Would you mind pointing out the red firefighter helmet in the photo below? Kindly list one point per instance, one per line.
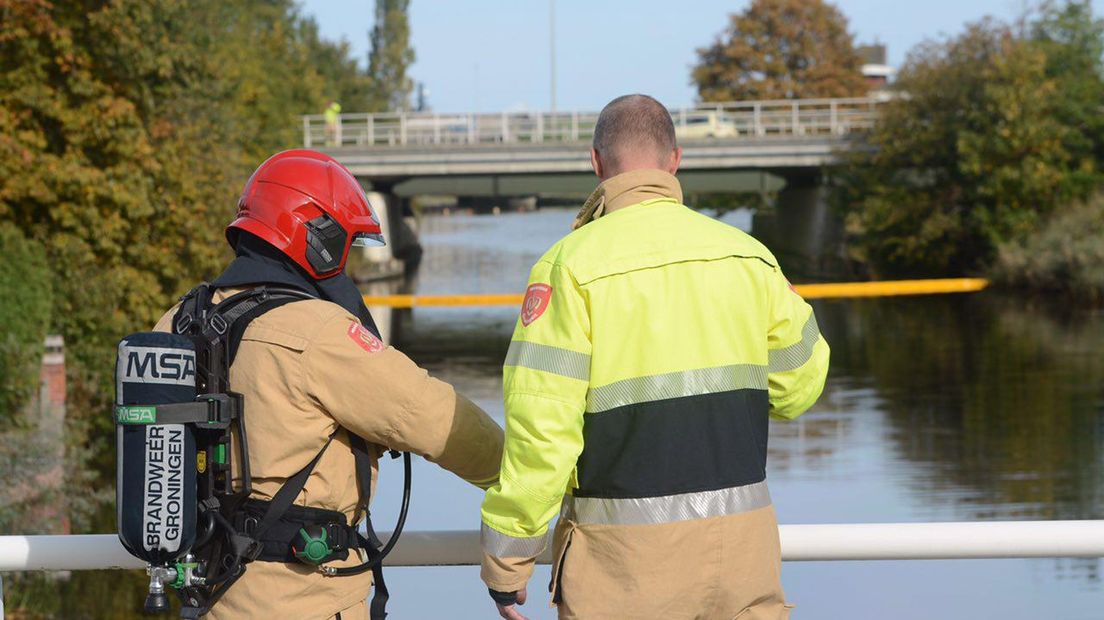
(309, 207)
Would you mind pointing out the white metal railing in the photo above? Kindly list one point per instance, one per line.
(861, 541)
(796, 117)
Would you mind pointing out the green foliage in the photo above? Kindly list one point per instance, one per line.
(100, 165)
(272, 67)
(391, 55)
(781, 49)
(126, 132)
(1073, 41)
(991, 131)
(1065, 256)
(25, 317)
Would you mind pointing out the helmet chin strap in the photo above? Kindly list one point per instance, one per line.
(325, 244)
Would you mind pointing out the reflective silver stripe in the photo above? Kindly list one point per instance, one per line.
(564, 362)
(795, 355)
(669, 508)
(500, 545)
(676, 384)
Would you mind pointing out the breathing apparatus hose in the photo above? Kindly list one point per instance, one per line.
(386, 549)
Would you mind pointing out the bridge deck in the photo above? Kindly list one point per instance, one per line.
(724, 136)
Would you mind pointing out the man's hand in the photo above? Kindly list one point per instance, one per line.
(510, 612)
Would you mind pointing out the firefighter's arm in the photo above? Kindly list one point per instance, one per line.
(545, 379)
(381, 395)
(797, 353)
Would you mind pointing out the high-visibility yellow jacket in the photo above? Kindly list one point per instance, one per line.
(652, 347)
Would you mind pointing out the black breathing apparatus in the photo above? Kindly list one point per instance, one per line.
(183, 503)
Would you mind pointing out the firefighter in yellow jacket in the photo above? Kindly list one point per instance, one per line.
(316, 369)
(654, 344)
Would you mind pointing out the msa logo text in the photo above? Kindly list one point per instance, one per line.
(136, 415)
(158, 365)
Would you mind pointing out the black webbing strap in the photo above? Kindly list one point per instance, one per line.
(363, 460)
(241, 315)
(285, 497)
(378, 609)
(279, 505)
(192, 308)
(199, 412)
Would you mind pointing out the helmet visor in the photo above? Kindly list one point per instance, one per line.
(368, 240)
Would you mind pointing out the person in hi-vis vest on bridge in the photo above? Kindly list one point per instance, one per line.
(654, 344)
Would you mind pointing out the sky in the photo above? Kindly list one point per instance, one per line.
(493, 55)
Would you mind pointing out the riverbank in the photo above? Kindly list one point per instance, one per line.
(1064, 257)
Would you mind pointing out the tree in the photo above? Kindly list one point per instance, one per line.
(975, 152)
(1073, 41)
(25, 315)
(781, 49)
(391, 56)
(126, 132)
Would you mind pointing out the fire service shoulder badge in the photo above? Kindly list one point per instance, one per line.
(364, 338)
(537, 298)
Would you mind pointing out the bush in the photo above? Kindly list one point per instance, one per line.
(25, 316)
(1065, 256)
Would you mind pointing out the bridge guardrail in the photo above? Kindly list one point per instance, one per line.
(800, 543)
(747, 119)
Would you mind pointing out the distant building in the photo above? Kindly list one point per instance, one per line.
(878, 74)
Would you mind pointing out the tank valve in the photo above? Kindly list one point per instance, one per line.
(157, 601)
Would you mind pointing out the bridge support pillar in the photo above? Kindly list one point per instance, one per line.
(381, 270)
(801, 228)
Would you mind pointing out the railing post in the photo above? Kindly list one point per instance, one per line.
(682, 117)
(337, 130)
(574, 126)
(834, 122)
(436, 129)
(795, 121)
(306, 144)
(402, 128)
(757, 118)
(505, 128)
(371, 130)
(471, 129)
(540, 128)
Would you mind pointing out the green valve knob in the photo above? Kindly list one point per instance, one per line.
(311, 547)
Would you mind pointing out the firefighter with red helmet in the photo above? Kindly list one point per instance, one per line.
(317, 380)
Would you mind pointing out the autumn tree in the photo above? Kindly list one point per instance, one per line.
(990, 135)
(391, 55)
(126, 132)
(781, 49)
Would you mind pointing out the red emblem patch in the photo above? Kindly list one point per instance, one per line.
(364, 338)
(537, 298)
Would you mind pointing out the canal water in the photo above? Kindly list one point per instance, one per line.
(940, 408)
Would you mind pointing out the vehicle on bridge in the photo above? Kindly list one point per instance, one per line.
(705, 125)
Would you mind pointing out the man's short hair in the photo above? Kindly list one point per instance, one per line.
(633, 122)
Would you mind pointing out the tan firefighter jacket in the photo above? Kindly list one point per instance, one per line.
(654, 344)
(306, 369)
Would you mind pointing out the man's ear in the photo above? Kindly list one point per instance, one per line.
(675, 160)
(596, 162)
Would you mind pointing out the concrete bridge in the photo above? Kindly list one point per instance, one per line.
(776, 147)
(775, 136)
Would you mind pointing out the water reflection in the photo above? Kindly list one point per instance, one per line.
(995, 405)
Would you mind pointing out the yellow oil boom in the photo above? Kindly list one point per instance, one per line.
(808, 291)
